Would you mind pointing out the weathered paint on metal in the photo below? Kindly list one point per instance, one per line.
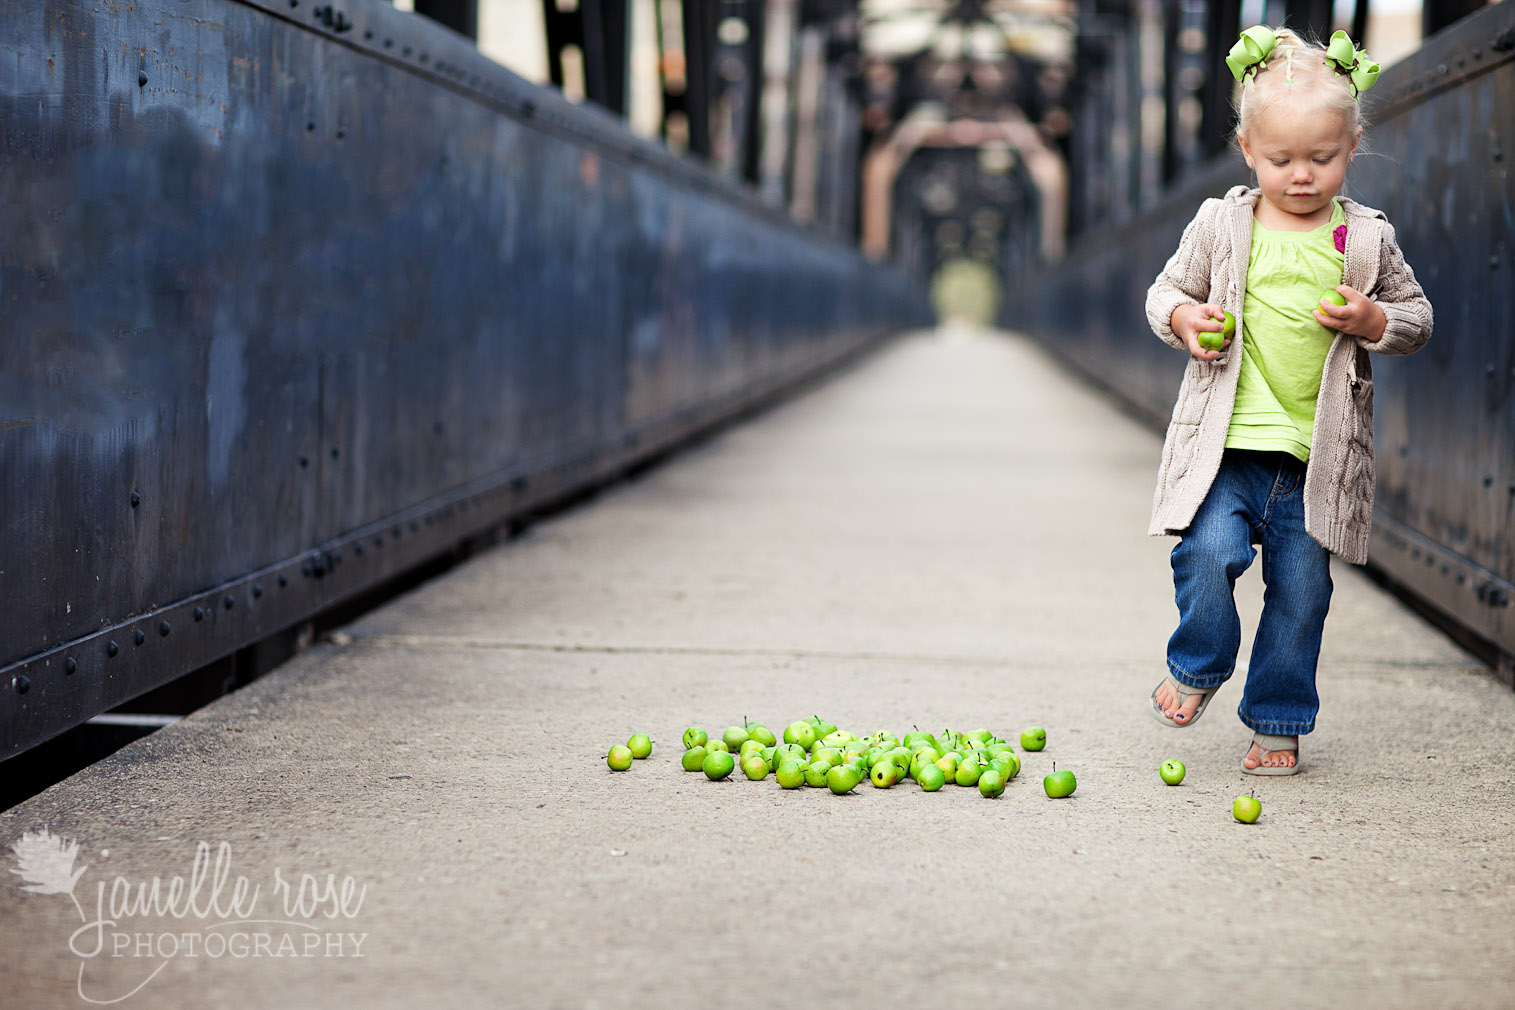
(296, 295)
(1440, 146)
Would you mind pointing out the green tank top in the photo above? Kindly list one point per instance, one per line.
(1283, 347)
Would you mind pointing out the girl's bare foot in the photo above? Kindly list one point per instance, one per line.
(1167, 700)
(1258, 757)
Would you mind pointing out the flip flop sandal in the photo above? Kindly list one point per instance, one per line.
(1184, 690)
(1273, 743)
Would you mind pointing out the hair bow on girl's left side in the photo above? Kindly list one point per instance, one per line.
(1351, 61)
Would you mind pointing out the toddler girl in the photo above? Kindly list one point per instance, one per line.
(1271, 441)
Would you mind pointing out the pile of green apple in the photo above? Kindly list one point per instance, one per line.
(814, 752)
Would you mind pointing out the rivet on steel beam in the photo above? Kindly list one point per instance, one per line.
(111, 649)
(257, 590)
(304, 460)
(1494, 262)
(378, 541)
(335, 452)
(415, 527)
(69, 666)
(229, 602)
(310, 127)
(1441, 69)
(357, 549)
(142, 78)
(389, 43)
(199, 614)
(293, 4)
(136, 498)
(283, 581)
(164, 629)
(1488, 480)
(528, 109)
(138, 638)
(406, 51)
(22, 684)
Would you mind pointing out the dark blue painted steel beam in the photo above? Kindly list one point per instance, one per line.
(296, 296)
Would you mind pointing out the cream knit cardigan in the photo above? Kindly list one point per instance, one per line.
(1211, 266)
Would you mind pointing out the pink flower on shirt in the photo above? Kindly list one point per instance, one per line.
(1340, 235)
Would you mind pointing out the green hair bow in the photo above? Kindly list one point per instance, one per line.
(1251, 50)
(1352, 62)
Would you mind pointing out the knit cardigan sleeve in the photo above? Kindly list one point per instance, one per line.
(1403, 302)
(1185, 280)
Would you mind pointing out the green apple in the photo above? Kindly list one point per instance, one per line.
(1003, 766)
(991, 784)
(693, 759)
(968, 772)
(1246, 809)
(749, 746)
(1013, 766)
(830, 755)
(815, 773)
(843, 779)
(718, 764)
(1059, 783)
(884, 774)
(1172, 771)
(948, 764)
(734, 736)
(640, 745)
(801, 734)
(822, 727)
(931, 778)
(695, 737)
(788, 752)
(791, 774)
(754, 767)
(619, 758)
(1209, 340)
(1033, 738)
(717, 744)
(762, 734)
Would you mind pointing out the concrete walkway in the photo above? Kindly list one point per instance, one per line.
(950, 535)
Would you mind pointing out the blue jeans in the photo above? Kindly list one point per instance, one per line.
(1257, 498)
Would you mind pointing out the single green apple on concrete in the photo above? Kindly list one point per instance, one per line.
(718, 764)
(734, 736)
(693, 759)
(1033, 739)
(754, 767)
(619, 758)
(884, 774)
(640, 745)
(931, 778)
(991, 784)
(1059, 783)
(791, 774)
(1246, 809)
(1172, 771)
(842, 779)
(695, 737)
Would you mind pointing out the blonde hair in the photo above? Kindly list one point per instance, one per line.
(1296, 75)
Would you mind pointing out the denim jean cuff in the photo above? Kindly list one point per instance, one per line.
(1190, 680)
(1278, 728)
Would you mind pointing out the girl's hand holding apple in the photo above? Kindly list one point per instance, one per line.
(1358, 316)
(1189, 322)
